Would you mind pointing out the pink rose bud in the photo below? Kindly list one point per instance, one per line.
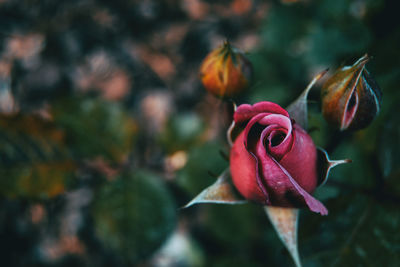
(273, 161)
(226, 72)
(351, 97)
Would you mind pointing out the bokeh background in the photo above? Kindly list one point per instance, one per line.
(106, 131)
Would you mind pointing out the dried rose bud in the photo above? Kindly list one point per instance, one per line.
(226, 72)
(351, 97)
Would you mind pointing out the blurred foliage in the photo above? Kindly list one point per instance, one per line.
(104, 126)
(182, 132)
(103, 129)
(39, 155)
(34, 161)
(198, 173)
(360, 234)
(134, 215)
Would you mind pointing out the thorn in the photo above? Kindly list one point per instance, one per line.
(312, 129)
(224, 155)
(212, 174)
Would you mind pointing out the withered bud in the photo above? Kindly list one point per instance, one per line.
(226, 72)
(351, 97)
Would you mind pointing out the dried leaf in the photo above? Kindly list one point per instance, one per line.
(284, 221)
(298, 109)
(34, 160)
(221, 192)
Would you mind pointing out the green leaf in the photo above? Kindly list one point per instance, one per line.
(359, 231)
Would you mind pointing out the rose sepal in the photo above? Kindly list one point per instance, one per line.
(298, 108)
(325, 164)
(221, 191)
(285, 222)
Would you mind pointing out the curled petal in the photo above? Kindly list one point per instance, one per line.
(268, 119)
(284, 190)
(301, 160)
(312, 203)
(277, 145)
(245, 112)
(245, 173)
(279, 134)
(249, 127)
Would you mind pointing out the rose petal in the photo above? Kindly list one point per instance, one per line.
(268, 119)
(277, 151)
(301, 160)
(260, 184)
(283, 189)
(245, 112)
(245, 173)
(250, 125)
(312, 203)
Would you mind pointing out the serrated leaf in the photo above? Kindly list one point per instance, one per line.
(221, 192)
(285, 223)
(298, 109)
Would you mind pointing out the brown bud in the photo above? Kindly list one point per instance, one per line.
(226, 72)
(351, 97)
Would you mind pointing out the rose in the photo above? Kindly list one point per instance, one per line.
(273, 161)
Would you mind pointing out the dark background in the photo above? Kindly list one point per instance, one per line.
(106, 130)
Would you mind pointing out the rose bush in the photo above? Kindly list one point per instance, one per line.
(273, 161)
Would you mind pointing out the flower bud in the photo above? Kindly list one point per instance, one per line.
(226, 72)
(351, 97)
(273, 161)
